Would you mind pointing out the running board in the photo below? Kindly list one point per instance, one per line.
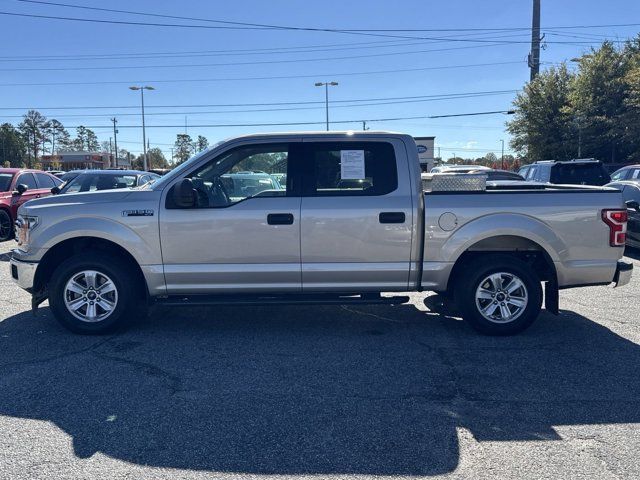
(291, 299)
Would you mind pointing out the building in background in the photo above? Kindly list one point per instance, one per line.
(426, 146)
(80, 161)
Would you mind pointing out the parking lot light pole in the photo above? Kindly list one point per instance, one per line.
(144, 134)
(326, 86)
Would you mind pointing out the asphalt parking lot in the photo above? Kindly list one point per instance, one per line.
(323, 392)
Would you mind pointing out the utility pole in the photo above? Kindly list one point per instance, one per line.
(115, 141)
(534, 56)
(502, 158)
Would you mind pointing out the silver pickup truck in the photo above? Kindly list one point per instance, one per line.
(302, 218)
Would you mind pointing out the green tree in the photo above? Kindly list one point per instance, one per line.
(86, 140)
(183, 147)
(32, 128)
(58, 134)
(201, 143)
(156, 159)
(598, 95)
(13, 148)
(542, 128)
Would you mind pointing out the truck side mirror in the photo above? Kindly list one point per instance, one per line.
(184, 195)
(633, 205)
(20, 189)
(55, 190)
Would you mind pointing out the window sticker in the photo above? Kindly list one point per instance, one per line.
(352, 164)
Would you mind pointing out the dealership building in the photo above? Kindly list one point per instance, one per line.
(81, 161)
(426, 147)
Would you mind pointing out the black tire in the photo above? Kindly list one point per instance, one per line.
(107, 266)
(476, 272)
(6, 226)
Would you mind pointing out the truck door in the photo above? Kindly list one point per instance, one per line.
(243, 235)
(357, 216)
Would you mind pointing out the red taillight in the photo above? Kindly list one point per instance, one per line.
(617, 222)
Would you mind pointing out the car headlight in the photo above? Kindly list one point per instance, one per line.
(25, 224)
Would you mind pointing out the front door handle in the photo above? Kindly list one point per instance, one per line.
(280, 219)
(391, 217)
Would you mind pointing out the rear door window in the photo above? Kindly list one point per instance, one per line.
(5, 181)
(350, 169)
(579, 174)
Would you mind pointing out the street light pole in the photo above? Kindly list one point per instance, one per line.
(144, 134)
(326, 86)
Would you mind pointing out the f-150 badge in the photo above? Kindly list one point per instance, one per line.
(137, 213)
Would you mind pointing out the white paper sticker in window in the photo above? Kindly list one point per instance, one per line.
(352, 164)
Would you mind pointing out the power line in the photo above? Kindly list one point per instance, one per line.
(280, 124)
(229, 52)
(246, 78)
(288, 27)
(265, 104)
(363, 32)
(260, 62)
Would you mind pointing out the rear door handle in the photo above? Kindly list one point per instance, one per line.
(280, 219)
(391, 217)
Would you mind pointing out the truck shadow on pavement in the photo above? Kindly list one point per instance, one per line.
(302, 390)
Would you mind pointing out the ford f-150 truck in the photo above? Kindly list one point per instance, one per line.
(301, 218)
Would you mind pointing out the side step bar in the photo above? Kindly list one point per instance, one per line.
(291, 299)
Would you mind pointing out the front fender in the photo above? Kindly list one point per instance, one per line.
(503, 224)
(140, 238)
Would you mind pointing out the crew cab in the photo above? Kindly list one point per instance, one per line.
(350, 222)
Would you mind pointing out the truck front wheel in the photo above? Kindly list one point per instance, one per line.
(499, 295)
(91, 294)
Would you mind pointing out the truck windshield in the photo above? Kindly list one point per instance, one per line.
(88, 182)
(5, 181)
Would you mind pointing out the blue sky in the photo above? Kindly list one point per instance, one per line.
(49, 63)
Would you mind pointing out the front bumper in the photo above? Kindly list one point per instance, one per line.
(623, 273)
(23, 273)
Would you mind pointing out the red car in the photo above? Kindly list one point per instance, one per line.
(18, 185)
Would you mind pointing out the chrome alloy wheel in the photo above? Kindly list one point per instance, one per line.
(90, 296)
(501, 297)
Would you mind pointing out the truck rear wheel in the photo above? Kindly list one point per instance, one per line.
(499, 295)
(91, 294)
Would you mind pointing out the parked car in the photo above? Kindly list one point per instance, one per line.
(570, 172)
(185, 240)
(458, 168)
(17, 186)
(493, 175)
(631, 195)
(630, 172)
(68, 176)
(90, 180)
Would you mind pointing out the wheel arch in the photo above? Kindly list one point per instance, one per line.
(71, 246)
(521, 247)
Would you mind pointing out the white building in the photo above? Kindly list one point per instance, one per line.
(426, 147)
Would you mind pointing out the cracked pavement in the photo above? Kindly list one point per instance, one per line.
(322, 392)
